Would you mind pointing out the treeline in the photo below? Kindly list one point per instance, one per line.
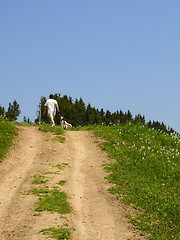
(78, 114)
(12, 112)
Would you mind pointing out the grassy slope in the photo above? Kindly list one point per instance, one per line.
(145, 174)
(7, 133)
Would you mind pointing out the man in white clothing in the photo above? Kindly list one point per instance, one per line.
(51, 104)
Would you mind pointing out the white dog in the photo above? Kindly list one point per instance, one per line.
(65, 124)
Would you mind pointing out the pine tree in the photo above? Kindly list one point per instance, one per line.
(13, 111)
(96, 117)
(25, 119)
(149, 124)
(40, 112)
(108, 117)
(92, 115)
(129, 116)
(89, 114)
(117, 117)
(114, 117)
(140, 119)
(122, 117)
(2, 111)
(102, 113)
(80, 111)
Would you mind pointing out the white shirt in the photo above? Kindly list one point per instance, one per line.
(51, 104)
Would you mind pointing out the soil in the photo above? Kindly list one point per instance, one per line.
(96, 214)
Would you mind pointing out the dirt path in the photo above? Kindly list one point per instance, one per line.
(95, 213)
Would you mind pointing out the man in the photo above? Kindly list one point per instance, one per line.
(51, 104)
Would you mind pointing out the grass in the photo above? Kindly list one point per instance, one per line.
(62, 182)
(7, 133)
(145, 174)
(23, 124)
(61, 165)
(50, 200)
(57, 130)
(48, 128)
(27, 227)
(38, 179)
(58, 139)
(50, 172)
(54, 201)
(38, 191)
(61, 233)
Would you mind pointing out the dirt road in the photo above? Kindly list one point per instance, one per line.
(95, 213)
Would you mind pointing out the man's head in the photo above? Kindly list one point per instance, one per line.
(51, 96)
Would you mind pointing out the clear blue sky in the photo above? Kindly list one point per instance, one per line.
(119, 54)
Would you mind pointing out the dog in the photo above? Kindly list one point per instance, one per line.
(65, 124)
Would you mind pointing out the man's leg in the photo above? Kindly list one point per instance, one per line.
(52, 118)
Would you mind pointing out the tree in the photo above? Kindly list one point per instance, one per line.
(140, 119)
(13, 111)
(116, 117)
(108, 117)
(40, 111)
(67, 109)
(96, 116)
(129, 116)
(89, 114)
(122, 117)
(25, 119)
(2, 111)
(79, 112)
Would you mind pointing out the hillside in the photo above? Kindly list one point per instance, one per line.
(39, 171)
(142, 171)
(145, 174)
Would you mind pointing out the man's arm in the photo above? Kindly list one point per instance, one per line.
(57, 107)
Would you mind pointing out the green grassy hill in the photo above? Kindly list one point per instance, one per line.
(146, 175)
(7, 133)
